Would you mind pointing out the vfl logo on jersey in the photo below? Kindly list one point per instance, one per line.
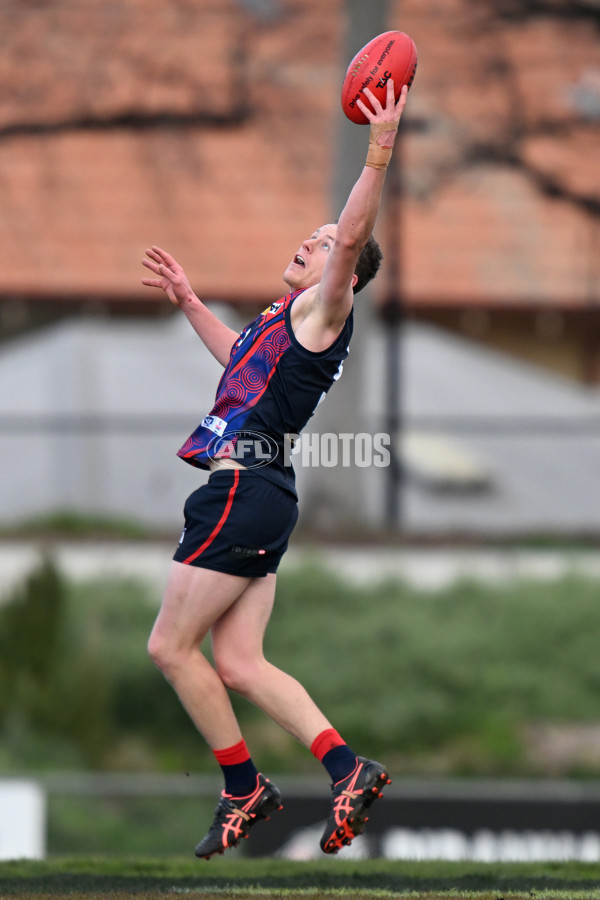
(214, 424)
(243, 336)
(272, 309)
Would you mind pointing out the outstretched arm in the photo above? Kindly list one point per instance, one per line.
(216, 336)
(358, 217)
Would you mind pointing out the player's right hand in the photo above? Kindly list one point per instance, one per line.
(171, 277)
(392, 110)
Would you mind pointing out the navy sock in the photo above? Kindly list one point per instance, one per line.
(239, 770)
(240, 779)
(339, 762)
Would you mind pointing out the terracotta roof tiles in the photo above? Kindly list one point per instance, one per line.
(198, 126)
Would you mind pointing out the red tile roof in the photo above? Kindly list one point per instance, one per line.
(199, 127)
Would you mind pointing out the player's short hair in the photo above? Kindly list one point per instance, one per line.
(368, 264)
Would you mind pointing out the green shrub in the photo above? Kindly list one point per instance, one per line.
(437, 681)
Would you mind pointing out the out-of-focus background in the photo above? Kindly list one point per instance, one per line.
(461, 579)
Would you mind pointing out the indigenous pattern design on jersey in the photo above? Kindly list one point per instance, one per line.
(268, 391)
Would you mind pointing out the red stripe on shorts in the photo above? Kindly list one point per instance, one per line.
(222, 520)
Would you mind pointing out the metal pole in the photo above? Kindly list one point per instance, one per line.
(392, 315)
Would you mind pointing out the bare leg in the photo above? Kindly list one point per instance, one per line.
(194, 599)
(237, 641)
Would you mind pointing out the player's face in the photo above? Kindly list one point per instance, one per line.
(306, 268)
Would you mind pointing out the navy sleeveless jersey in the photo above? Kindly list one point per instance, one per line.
(267, 393)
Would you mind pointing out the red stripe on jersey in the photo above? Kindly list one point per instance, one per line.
(262, 335)
(222, 520)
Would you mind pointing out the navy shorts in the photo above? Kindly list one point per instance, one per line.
(238, 523)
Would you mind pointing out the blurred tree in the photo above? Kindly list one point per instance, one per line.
(30, 629)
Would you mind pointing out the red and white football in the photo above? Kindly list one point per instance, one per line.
(389, 55)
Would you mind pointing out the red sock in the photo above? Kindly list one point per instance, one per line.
(335, 754)
(326, 741)
(232, 756)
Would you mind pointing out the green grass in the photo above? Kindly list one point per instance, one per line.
(233, 877)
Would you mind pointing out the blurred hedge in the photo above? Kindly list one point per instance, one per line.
(444, 681)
